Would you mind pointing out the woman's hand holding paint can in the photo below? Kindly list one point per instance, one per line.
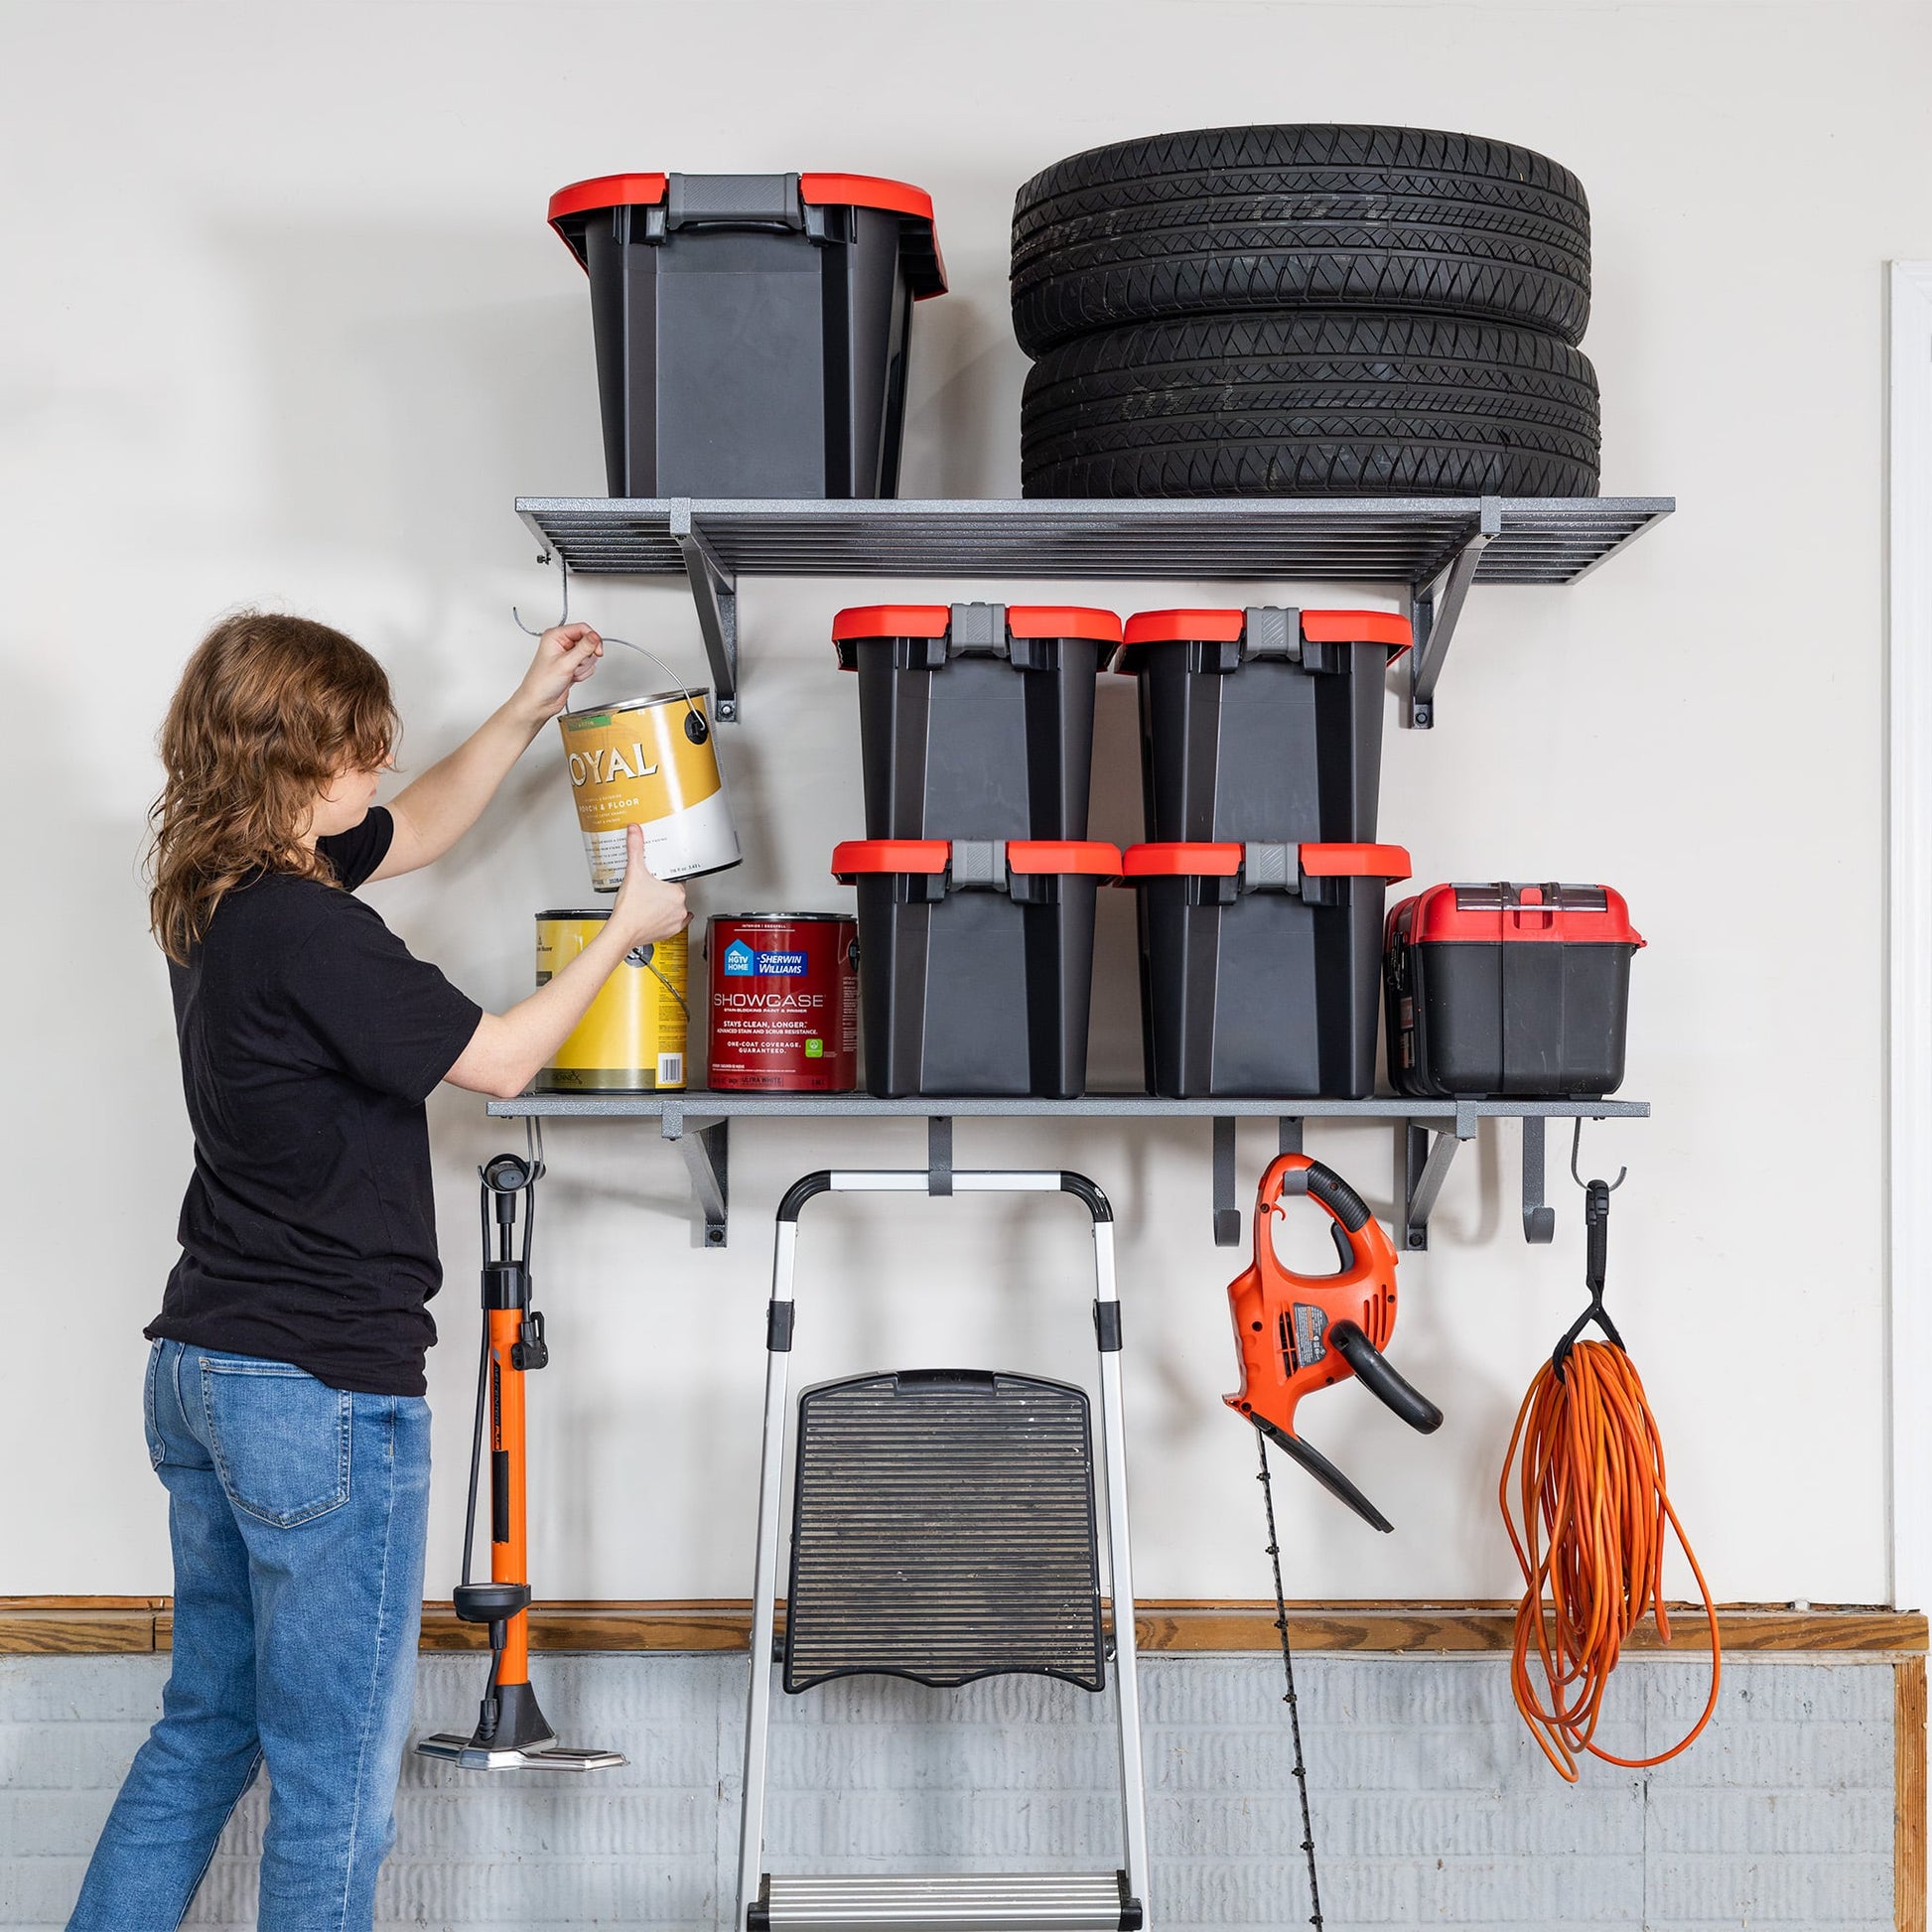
(648, 907)
(567, 653)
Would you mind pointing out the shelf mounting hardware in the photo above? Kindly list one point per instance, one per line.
(1539, 1221)
(705, 1145)
(938, 1154)
(1422, 1164)
(1228, 1212)
(714, 588)
(1433, 608)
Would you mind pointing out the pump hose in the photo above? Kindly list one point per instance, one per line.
(1594, 1508)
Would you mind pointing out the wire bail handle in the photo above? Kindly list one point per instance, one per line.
(695, 727)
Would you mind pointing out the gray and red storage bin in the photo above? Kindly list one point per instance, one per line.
(1260, 964)
(751, 330)
(1262, 723)
(976, 962)
(1509, 990)
(976, 720)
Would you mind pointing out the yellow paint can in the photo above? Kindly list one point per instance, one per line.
(649, 762)
(631, 1039)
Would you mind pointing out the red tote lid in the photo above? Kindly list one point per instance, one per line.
(1502, 911)
(1222, 858)
(1355, 861)
(608, 191)
(1180, 861)
(1063, 620)
(1029, 858)
(1086, 856)
(926, 271)
(1389, 627)
(855, 856)
(1168, 626)
(892, 620)
(866, 191)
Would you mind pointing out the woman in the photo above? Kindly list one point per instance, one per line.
(284, 1399)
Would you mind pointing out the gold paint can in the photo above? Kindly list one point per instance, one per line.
(649, 762)
(631, 1039)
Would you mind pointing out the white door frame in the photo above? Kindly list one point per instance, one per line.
(1909, 1038)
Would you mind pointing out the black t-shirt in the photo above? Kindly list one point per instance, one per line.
(310, 1039)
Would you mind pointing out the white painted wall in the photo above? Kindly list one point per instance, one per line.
(284, 324)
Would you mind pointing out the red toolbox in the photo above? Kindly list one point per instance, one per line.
(976, 720)
(1261, 724)
(1259, 965)
(975, 962)
(1509, 990)
(751, 330)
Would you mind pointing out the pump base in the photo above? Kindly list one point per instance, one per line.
(468, 1755)
(512, 1733)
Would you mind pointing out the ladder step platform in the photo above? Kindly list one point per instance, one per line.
(1046, 1901)
(944, 1530)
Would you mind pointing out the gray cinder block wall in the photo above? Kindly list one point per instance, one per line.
(1433, 1807)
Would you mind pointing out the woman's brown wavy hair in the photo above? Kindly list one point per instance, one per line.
(269, 711)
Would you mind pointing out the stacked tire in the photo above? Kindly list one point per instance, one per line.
(1307, 311)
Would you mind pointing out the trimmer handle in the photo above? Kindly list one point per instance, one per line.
(1374, 1372)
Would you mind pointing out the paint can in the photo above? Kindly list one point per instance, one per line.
(783, 1003)
(649, 762)
(632, 1038)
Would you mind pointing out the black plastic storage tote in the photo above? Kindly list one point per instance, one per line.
(751, 330)
(1261, 724)
(1259, 966)
(976, 720)
(1511, 990)
(975, 962)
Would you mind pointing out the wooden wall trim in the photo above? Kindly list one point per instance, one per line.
(106, 1625)
(1908, 1795)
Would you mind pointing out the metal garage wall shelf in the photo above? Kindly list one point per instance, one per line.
(1427, 1134)
(1436, 546)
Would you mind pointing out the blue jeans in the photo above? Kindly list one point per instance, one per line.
(298, 1514)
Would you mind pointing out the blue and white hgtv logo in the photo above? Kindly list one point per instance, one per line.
(741, 962)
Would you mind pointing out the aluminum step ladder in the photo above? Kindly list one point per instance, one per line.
(943, 1528)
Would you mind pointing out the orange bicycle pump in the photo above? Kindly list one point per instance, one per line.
(511, 1730)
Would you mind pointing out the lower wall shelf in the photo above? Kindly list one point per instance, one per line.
(1427, 1134)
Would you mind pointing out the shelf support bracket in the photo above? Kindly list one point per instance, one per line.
(713, 590)
(1434, 609)
(1421, 1165)
(1227, 1216)
(938, 1154)
(706, 1146)
(1539, 1221)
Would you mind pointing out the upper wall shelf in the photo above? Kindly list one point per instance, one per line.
(1435, 547)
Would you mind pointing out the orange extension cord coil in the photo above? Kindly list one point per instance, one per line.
(1594, 1508)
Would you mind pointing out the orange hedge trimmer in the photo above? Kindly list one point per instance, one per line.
(1295, 1333)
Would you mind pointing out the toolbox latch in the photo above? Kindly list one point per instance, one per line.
(1271, 630)
(979, 865)
(1271, 868)
(977, 630)
(733, 201)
